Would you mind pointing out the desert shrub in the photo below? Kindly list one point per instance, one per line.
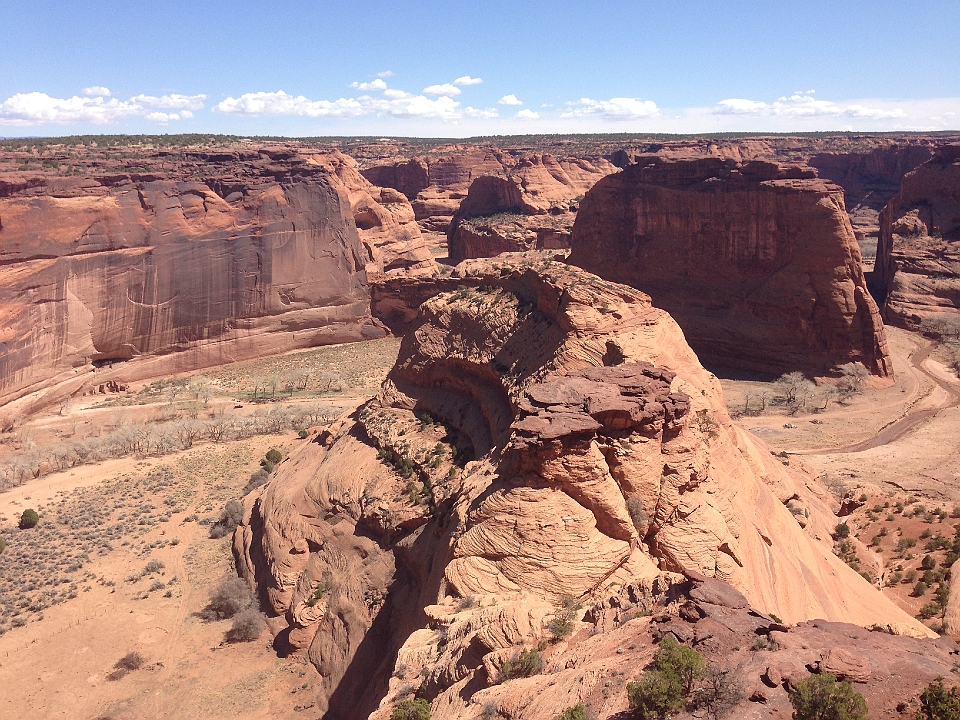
(230, 517)
(680, 662)
(929, 562)
(719, 694)
(29, 519)
(130, 661)
(821, 697)
(654, 695)
(257, 479)
(127, 664)
(3, 544)
(229, 598)
(841, 531)
(561, 625)
(247, 626)
(576, 712)
(920, 589)
(267, 465)
(939, 703)
(273, 455)
(527, 663)
(411, 709)
(154, 566)
(641, 521)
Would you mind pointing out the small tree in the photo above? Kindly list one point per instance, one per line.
(821, 697)
(229, 598)
(676, 660)
(655, 695)
(939, 703)
(29, 519)
(416, 709)
(527, 663)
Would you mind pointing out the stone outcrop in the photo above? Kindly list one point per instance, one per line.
(218, 258)
(758, 263)
(478, 182)
(918, 255)
(870, 179)
(543, 432)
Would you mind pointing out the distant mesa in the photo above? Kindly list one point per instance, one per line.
(918, 255)
(757, 262)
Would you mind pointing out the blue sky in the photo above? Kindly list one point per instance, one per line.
(477, 68)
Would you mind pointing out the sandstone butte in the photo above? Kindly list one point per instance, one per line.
(543, 432)
(225, 257)
(484, 200)
(918, 254)
(758, 263)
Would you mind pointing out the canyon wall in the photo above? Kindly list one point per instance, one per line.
(918, 254)
(544, 433)
(757, 263)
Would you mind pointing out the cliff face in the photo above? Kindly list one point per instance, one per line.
(758, 264)
(918, 254)
(546, 433)
(161, 276)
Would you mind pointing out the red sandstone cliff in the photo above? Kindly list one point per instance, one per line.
(918, 255)
(545, 433)
(758, 264)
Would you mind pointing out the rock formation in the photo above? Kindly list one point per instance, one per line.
(218, 258)
(918, 255)
(869, 179)
(512, 185)
(545, 432)
(757, 263)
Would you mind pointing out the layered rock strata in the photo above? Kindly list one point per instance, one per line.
(543, 433)
(918, 255)
(113, 278)
(757, 263)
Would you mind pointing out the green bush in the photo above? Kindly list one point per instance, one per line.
(939, 703)
(29, 519)
(418, 709)
(561, 625)
(678, 661)
(821, 697)
(655, 695)
(577, 712)
(273, 455)
(841, 531)
(919, 589)
(527, 663)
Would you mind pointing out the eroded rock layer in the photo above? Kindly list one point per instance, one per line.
(918, 254)
(542, 433)
(757, 263)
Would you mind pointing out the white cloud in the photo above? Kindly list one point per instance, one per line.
(398, 104)
(397, 94)
(386, 74)
(613, 109)
(280, 103)
(445, 89)
(510, 99)
(467, 80)
(375, 85)
(486, 114)
(36, 108)
(804, 105)
(171, 102)
(528, 115)
(96, 91)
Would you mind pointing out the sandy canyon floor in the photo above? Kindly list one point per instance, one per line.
(76, 594)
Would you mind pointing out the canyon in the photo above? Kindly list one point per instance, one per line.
(918, 256)
(548, 433)
(551, 466)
